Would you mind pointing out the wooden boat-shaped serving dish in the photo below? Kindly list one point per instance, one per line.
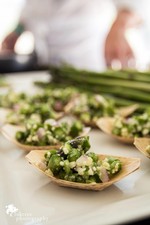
(141, 144)
(129, 165)
(106, 125)
(9, 132)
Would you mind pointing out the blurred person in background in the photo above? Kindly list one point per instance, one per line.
(85, 34)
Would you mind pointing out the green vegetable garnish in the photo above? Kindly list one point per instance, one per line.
(72, 163)
(135, 126)
(89, 108)
(50, 132)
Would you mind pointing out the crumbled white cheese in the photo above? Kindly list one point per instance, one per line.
(106, 165)
(35, 126)
(72, 164)
(115, 168)
(90, 171)
(51, 122)
(35, 138)
(124, 132)
(118, 123)
(84, 161)
(65, 150)
(28, 126)
(80, 170)
(61, 163)
(94, 168)
(139, 128)
(144, 116)
(48, 154)
(29, 139)
(145, 131)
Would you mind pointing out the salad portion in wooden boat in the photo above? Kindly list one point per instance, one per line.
(48, 135)
(73, 166)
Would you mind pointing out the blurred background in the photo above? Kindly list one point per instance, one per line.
(139, 39)
(10, 12)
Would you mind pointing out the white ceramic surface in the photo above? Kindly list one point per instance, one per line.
(39, 202)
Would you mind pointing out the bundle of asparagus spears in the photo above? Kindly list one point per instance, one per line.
(125, 86)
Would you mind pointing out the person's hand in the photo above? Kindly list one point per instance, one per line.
(117, 48)
(116, 45)
(9, 42)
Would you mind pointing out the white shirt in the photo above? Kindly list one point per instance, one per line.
(71, 31)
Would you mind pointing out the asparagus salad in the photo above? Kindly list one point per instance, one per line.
(135, 126)
(38, 112)
(73, 162)
(50, 132)
(57, 98)
(41, 106)
(11, 98)
(88, 108)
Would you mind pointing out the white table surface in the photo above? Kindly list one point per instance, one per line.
(41, 202)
